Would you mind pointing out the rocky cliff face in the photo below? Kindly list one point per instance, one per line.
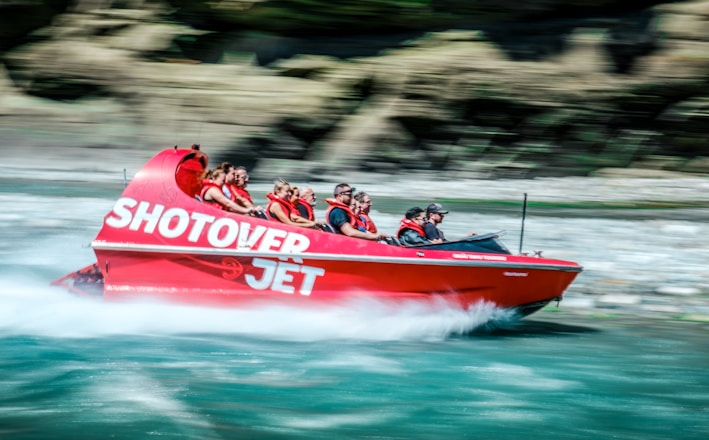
(477, 89)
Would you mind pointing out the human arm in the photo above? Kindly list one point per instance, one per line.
(218, 196)
(433, 234)
(340, 221)
(277, 211)
(243, 201)
(242, 198)
(350, 231)
(302, 221)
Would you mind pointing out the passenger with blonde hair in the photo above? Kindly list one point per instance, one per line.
(282, 210)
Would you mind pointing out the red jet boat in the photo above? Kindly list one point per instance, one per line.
(159, 241)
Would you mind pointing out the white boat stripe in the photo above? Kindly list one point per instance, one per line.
(133, 247)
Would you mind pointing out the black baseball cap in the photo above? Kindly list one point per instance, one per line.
(436, 208)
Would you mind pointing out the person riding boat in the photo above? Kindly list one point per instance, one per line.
(341, 218)
(229, 181)
(282, 210)
(411, 232)
(356, 208)
(212, 194)
(235, 193)
(240, 183)
(306, 203)
(365, 203)
(435, 214)
(295, 196)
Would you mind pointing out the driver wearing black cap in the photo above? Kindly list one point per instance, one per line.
(435, 213)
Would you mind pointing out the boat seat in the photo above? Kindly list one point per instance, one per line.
(392, 241)
(188, 174)
(262, 214)
(327, 228)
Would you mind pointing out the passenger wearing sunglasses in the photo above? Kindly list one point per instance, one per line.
(241, 197)
(342, 219)
(411, 231)
(306, 203)
(281, 209)
(434, 213)
(365, 204)
(241, 181)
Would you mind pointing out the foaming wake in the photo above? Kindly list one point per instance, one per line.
(50, 312)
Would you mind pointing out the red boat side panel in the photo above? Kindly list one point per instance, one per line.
(227, 280)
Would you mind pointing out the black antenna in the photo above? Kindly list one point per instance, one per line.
(524, 214)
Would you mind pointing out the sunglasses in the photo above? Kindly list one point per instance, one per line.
(345, 193)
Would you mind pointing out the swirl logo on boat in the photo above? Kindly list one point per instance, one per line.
(223, 232)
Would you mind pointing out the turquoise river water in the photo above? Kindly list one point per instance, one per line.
(82, 369)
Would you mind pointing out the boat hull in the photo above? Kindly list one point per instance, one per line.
(233, 280)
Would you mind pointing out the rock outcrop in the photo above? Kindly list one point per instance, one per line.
(451, 87)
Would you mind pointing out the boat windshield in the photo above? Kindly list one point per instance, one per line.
(488, 243)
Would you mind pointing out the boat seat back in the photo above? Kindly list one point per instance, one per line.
(392, 241)
(262, 214)
(189, 173)
(327, 228)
